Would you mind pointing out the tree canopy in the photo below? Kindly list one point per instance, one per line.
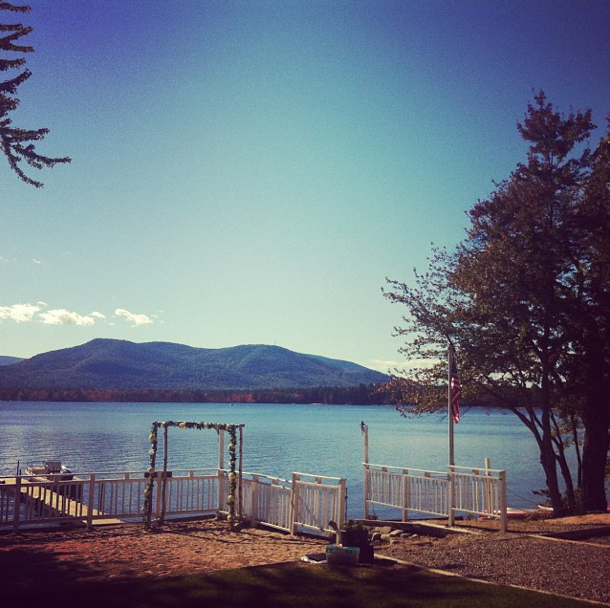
(523, 297)
(17, 143)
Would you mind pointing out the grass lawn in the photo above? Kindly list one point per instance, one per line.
(295, 585)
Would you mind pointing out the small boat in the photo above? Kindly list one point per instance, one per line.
(52, 470)
(513, 513)
(549, 510)
(52, 476)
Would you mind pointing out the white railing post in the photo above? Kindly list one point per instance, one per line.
(17, 503)
(294, 503)
(489, 483)
(366, 489)
(254, 500)
(221, 466)
(342, 502)
(91, 501)
(405, 495)
(317, 505)
(159, 491)
(221, 449)
(503, 505)
(451, 495)
(221, 483)
(365, 433)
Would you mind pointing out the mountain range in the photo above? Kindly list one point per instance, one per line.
(120, 364)
(4, 360)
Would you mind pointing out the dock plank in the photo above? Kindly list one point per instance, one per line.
(56, 503)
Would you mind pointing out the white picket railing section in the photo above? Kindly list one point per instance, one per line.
(268, 500)
(460, 489)
(306, 502)
(317, 501)
(406, 489)
(480, 492)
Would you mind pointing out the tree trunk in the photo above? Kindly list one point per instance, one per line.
(548, 458)
(594, 470)
(570, 496)
(549, 465)
(596, 420)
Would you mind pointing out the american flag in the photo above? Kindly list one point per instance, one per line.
(456, 392)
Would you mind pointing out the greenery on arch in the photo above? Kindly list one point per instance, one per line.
(231, 429)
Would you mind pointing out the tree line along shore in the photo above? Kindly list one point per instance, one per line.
(363, 394)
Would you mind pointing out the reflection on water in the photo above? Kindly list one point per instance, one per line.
(278, 440)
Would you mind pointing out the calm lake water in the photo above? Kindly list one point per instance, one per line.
(278, 440)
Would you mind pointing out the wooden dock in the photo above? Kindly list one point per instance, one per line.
(55, 499)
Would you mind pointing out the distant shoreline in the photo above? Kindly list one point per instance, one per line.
(372, 396)
(363, 394)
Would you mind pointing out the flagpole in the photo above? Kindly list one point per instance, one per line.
(450, 357)
(449, 405)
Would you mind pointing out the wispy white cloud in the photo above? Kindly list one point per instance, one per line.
(39, 313)
(133, 318)
(65, 317)
(20, 313)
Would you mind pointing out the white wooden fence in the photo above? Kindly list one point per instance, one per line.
(460, 489)
(306, 502)
(317, 501)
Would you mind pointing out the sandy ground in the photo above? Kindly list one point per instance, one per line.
(521, 556)
(127, 550)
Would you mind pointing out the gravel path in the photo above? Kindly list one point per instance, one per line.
(575, 569)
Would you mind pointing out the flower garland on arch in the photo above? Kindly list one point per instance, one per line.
(152, 453)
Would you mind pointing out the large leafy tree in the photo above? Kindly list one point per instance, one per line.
(17, 143)
(589, 364)
(522, 297)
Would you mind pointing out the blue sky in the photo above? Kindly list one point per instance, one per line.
(250, 172)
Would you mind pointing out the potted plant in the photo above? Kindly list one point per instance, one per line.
(355, 534)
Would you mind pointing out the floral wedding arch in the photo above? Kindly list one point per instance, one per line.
(235, 446)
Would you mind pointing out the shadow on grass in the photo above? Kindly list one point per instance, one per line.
(33, 577)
